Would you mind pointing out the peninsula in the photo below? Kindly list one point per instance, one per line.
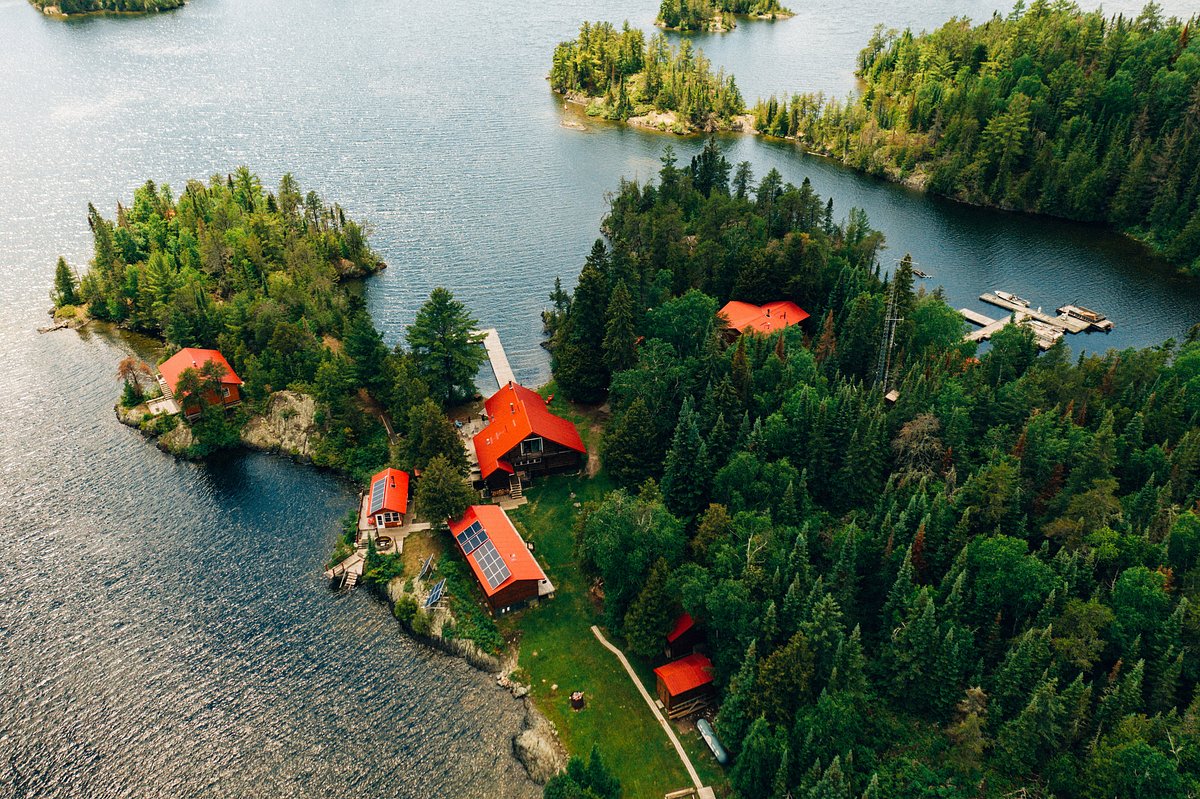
(1049, 110)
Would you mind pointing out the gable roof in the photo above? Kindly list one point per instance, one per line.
(682, 625)
(767, 319)
(508, 543)
(685, 674)
(515, 413)
(194, 358)
(393, 487)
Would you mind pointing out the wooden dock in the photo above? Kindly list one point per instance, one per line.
(497, 357)
(1045, 334)
(1064, 322)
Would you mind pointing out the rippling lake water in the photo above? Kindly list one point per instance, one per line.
(164, 628)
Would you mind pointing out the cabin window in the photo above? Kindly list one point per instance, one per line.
(531, 446)
(224, 391)
(387, 517)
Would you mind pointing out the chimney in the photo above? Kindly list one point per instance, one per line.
(512, 408)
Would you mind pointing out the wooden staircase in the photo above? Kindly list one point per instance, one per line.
(515, 490)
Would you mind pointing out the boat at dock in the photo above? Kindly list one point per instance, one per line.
(1012, 298)
(1096, 320)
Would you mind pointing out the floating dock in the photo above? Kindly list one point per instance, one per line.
(1070, 318)
(499, 360)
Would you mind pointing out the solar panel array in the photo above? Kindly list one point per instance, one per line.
(435, 595)
(377, 492)
(425, 567)
(494, 569)
(470, 538)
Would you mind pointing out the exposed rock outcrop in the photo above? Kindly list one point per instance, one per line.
(538, 748)
(288, 426)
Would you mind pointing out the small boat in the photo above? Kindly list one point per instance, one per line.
(920, 273)
(1013, 298)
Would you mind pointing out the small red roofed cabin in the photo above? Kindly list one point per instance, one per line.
(387, 501)
(684, 684)
(171, 370)
(683, 637)
(505, 568)
(524, 439)
(743, 317)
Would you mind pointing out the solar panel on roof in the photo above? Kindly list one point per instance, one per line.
(494, 569)
(470, 538)
(377, 493)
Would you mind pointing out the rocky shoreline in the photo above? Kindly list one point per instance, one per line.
(536, 746)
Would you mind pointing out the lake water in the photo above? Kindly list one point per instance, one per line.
(164, 629)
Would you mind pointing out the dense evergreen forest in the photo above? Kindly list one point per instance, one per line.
(707, 15)
(263, 277)
(1050, 110)
(621, 75)
(108, 6)
(984, 587)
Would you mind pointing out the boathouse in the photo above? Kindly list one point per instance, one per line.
(171, 370)
(386, 503)
(743, 317)
(505, 568)
(524, 439)
(683, 637)
(685, 684)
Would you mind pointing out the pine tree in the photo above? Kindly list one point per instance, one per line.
(754, 771)
(734, 717)
(445, 347)
(442, 494)
(684, 481)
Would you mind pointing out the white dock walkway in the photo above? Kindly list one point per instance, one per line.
(495, 352)
(1045, 333)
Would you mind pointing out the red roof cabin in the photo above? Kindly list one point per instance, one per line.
(523, 439)
(386, 503)
(505, 568)
(684, 684)
(743, 317)
(683, 637)
(172, 369)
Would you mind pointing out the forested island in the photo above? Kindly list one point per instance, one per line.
(719, 16)
(985, 583)
(620, 75)
(66, 8)
(267, 278)
(1049, 110)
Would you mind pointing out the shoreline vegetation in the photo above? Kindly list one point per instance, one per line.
(620, 75)
(687, 16)
(1050, 111)
(63, 9)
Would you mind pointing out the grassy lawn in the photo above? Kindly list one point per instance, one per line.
(558, 648)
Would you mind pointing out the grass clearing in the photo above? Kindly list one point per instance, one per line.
(558, 648)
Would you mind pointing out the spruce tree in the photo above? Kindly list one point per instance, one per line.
(66, 286)
(626, 450)
(649, 617)
(620, 338)
(686, 469)
(445, 347)
(441, 494)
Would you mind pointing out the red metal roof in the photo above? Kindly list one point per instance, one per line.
(769, 318)
(395, 490)
(685, 674)
(682, 625)
(508, 542)
(515, 413)
(193, 358)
